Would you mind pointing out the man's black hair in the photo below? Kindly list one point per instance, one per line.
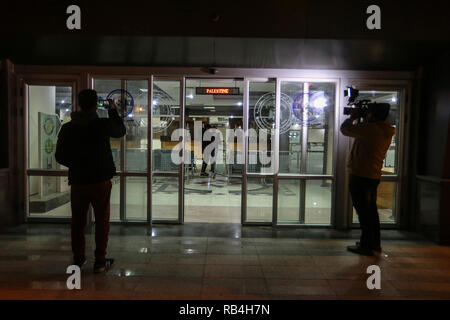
(87, 99)
(381, 111)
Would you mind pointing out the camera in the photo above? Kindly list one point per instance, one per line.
(103, 103)
(362, 107)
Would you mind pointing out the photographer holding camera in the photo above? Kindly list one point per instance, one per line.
(372, 135)
(83, 146)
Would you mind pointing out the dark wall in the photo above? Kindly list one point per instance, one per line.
(433, 152)
(306, 19)
(9, 193)
(434, 116)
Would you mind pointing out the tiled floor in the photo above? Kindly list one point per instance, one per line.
(221, 261)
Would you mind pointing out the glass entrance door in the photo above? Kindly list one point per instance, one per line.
(49, 106)
(213, 165)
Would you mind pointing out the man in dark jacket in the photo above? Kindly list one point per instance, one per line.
(83, 146)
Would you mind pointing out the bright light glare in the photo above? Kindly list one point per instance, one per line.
(155, 102)
(239, 103)
(320, 103)
(394, 99)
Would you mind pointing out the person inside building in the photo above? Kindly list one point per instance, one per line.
(372, 138)
(210, 161)
(83, 146)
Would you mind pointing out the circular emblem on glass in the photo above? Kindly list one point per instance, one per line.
(123, 99)
(49, 126)
(163, 110)
(264, 112)
(310, 110)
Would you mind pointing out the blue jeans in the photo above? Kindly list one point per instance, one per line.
(364, 198)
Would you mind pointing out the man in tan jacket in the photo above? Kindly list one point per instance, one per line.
(372, 138)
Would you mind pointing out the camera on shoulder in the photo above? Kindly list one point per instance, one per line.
(360, 107)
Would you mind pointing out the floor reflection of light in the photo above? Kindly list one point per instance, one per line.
(143, 250)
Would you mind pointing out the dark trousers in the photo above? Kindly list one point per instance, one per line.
(81, 196)
(364, 198)
(213, 165)
(204, 165)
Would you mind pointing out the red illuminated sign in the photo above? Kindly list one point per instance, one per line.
(219, 91)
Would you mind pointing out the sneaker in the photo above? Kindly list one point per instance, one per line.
(80, 263)
(102, 267)
(360, 250)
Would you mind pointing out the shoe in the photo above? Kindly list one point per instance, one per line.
(360, 250)
(102, 267)
(203, 174)
(377, 249)
(80, 263)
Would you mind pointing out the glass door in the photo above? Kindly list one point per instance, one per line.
(130, 153)
(49, 105)
(306, 144)
(167, 150)
(214, 150)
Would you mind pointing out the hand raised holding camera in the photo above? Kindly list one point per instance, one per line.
(112, 104)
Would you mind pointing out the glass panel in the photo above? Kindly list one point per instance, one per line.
(213, 186)
(259, 199)
(261, 126)
(318, 202)
(49, 196)
(115, 199)
(386, 197)
(306, 121)
(165, 198)
(105, 88)
(136, 198)
(49, 108)
(314, 195)
(391, 97)
(166, 119)
(137, 127)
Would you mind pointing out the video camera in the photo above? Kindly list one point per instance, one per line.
(360, 106)
(103, 103)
